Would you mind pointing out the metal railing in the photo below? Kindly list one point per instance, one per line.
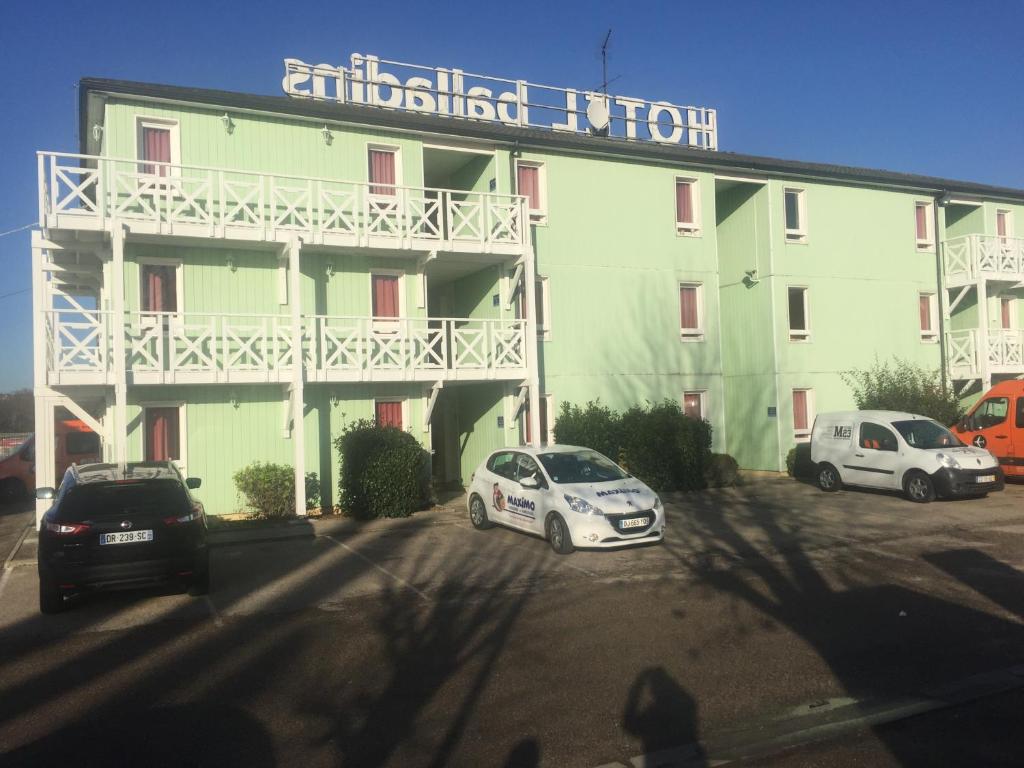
(974, 257)
(88, 191)
(996, 350)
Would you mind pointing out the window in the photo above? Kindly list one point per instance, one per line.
(990, 413)
(1004, 225)
(803, 409)
(1020, 413)
(691, 311)
(157, 142)
(386, 295)
(527, 467)
(796, 215)
(531, 182)
(799, 316)
(388, 413)
(1006, 307)
(78, 443)
(383, 170)
(159, 287)
(923, 225)
(874, 437)
(928, 313)
(687, 207)
(547, 423)
(693, 404)
(502, 464)
(163, 433)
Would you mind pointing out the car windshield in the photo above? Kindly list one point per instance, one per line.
(926, 434)
(580, 467)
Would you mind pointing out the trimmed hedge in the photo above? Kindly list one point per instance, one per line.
(269, 489)
(904, 386)
(658, 443)
(722, 471)
(798, 461)
(384, 471)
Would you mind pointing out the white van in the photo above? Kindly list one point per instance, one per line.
(899, 451)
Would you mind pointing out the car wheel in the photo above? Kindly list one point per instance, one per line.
(11, 490)
(558, 534)
(478, 514)
(919, 487)
(51, 599)
(200, 584)
(828, 478)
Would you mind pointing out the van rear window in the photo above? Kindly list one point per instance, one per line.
(125, 499)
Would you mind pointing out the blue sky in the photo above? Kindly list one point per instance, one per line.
(926, 87)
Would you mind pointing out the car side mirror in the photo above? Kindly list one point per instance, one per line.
(193, 482)
(45, 493)
(530, 482)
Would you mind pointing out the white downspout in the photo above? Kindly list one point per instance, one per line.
(298, 400)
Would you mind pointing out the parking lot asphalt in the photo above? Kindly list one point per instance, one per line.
(772, 617)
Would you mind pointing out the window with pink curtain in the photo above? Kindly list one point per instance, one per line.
(800, 410)
(528, 184)
(925, 307)
(163, 439)
(159, 288)
(388, 413)
(691, 405)
(156, 147)
(689, 319)
(921, 213)
(1001, 228)
(385, 296)
(382, 172)
(684, 202)
(1005, 305)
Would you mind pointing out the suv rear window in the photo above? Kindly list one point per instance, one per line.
(125, 499)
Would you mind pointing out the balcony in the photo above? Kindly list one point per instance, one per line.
(973, 352)
(85, 192)
(199, 348)
(982, 257)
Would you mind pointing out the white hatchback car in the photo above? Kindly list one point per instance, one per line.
(573, 497)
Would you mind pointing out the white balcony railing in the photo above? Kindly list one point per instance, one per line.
(1003, 351)
(174, 348)
(983, 257)
(90, 192)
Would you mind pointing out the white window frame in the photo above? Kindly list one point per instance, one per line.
(702, 394)
(145, 121)
(692, 334)
(406, 420)
(803, 436)
(388, 325)
(932, 336)
(393, 149)
(693, 228)
(796, 234)
(544, 331)
(537, 215)
(179, 281)
(1008, 218)
(182, 463)
(796, 335)
(928, 242)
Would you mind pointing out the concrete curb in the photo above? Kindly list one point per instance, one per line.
(301, 529)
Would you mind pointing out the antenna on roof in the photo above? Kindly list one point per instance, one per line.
(604, 62)
(597, 110)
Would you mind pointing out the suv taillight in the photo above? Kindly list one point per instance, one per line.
(62, 529)
(195, 514)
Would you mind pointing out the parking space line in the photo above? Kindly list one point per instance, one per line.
(4, 578)
(526, 539)
(214, 613)
(380, 568)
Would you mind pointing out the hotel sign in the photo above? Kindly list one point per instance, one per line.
(453, 93)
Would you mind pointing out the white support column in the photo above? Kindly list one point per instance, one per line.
(45, 450)
(45, 453)
(981, 291)
(531, 344)
(298, 398)
(119, 429)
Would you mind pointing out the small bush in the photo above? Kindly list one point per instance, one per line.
(269, 490)
(798, 461)
(904, 386)
(593, 426)
(384, 471)
(721, 471)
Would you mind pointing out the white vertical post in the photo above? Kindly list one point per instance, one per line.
(119, 429)
(298, 399)
(530, 348)
(46, 458)
(981, 290)
(41, 181)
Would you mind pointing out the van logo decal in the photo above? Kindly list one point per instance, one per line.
(518, 505)
(498, 498)
(980, 441)
(841, 432)
(618, 490)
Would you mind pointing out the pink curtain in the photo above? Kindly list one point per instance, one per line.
(688, 307)
(684, 202)
(385, 296)
(691, 405)
(528, 184)
(382, 171)
(156, 146)
(389, 414)
(1001, 224)
(1004, 308)
(926, 313)
(162, 437)
(922, 222)
(800, 409)
(159, 290)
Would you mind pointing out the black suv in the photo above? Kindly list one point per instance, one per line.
(114, 526)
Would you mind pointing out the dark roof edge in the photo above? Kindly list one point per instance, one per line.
(525, 137)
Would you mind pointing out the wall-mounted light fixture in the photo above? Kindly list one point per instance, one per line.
(330, 269)
(328, 136)
(231, 263)
(97, 132)
(234, 399)
(229, 124)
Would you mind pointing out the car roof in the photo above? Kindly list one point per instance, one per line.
(534, 450)
(877, 415)
(134, 470)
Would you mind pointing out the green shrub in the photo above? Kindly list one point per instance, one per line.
(721, 471)
(798, 461)
(384, 471)
(657, 442)
(904, 386)
(269, 489)
(593, 426)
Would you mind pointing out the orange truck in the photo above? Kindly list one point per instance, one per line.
(996, 422)
(75, 443)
